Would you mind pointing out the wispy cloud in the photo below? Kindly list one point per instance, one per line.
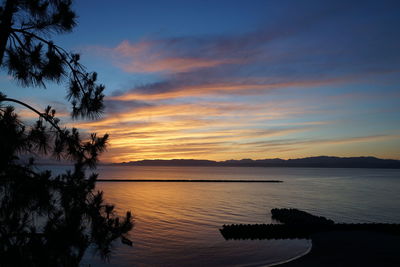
(182, 88)
(220, 130)
(192, 130)
(285, 87)
(145, 57)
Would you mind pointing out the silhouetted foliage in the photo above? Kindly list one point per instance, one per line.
(32, 59)
(48, 220)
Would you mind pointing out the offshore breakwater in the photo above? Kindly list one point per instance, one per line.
(189, 181)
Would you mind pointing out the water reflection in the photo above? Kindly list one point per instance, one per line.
(177, 223)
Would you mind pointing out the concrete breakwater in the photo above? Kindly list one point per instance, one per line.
(284, 231)
(299, 224)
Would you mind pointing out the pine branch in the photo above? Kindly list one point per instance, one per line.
(61, 52)
(42, 115)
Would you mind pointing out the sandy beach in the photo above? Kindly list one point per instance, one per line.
(351, 248)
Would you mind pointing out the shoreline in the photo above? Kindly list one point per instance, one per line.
(291, 259)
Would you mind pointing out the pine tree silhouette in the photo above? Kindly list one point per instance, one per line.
(48, 220)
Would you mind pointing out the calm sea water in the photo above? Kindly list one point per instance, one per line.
(177, 224)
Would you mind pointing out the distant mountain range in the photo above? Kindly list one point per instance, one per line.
(311, 162)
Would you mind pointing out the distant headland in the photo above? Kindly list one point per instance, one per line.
(310, 162)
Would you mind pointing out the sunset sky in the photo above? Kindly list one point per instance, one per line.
(226, 80)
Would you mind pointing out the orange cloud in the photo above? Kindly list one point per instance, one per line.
(181, 91)
(170, 64)
(186, 131)
(171, 115)
(226, 149)
(147, 56)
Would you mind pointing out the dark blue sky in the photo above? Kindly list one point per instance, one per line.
(236, 79)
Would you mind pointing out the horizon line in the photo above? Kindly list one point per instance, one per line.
(286, 159)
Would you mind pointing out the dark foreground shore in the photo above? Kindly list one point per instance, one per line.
(351, 248)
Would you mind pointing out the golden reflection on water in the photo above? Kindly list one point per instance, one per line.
(177, 224)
